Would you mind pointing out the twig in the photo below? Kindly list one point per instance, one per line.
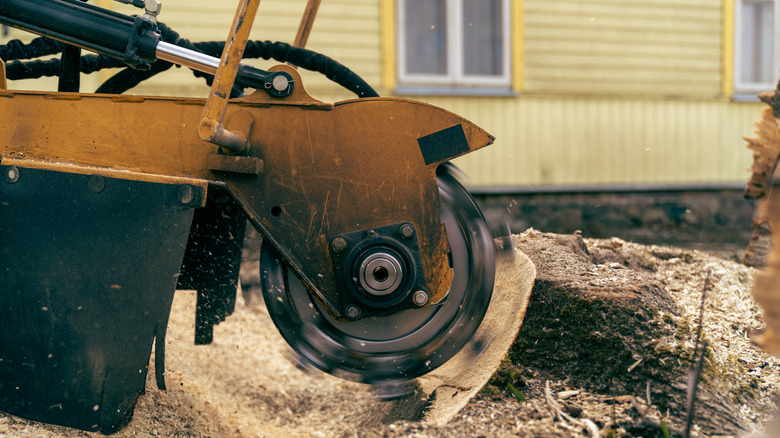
(653, 421)
(694, 372)
(701, 309)
(586, 424)
(647, 391)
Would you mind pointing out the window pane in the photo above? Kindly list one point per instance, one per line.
(756, 48)
(483, 44)
(426, 36)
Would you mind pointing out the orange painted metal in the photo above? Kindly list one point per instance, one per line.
(211, 128)
(3, 84)
(327, 169)
(307, 22)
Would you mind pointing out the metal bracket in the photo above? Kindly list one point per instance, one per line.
(3, 84)
(379, 270)
(211, 128)
(151, 8)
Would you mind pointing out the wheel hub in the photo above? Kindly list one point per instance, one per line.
(376, 345)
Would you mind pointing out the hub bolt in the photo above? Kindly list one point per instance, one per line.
(353, 311)
(407, 231)
(420, 298)
(339, 244)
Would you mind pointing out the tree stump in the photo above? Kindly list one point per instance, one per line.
(602, 320)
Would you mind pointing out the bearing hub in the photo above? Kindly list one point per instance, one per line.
(377, 270)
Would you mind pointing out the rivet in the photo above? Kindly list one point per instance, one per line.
(186, 194)
(12, 174)
(96, 183)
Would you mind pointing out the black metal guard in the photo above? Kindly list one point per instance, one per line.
(88, 269)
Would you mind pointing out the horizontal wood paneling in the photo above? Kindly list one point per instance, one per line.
(631, 47)
(595, 141)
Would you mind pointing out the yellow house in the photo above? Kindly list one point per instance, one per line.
(576, 92)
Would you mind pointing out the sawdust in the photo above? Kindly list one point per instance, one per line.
(244, 386)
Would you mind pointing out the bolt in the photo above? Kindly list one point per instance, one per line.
(353, 311)
(280, 83)
(186, 194)
(96, 183)
(407, 231)
(12, 174)
(420, 298)
(339, 244)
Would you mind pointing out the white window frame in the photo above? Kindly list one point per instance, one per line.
(454, 76)
(741, 87)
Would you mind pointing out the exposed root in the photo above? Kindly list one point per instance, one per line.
(563, 417)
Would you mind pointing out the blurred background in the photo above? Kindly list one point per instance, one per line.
(617, 118)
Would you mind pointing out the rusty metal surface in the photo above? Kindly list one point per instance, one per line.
(307, 22)
(200, 186)
(89, 266)
(3, 84)
(328, 168)
(211, 128)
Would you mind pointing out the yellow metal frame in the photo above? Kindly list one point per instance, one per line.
(387, 27)
(518, 45)
(211, 128)
(328, 169)
(110, 173)
(3, 84)
(307, 22)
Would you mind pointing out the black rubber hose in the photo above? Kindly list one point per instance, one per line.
(281, 52)
(129, 78)
(15, 49)
(303, 58)
(35, 69)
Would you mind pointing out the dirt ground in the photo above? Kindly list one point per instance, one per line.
(243, 385)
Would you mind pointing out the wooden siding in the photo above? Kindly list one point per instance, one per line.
(603, 141)
(623, 47)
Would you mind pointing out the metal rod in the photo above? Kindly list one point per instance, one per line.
(187, 58)
(3, 84)
(210, 128)
(307, 21)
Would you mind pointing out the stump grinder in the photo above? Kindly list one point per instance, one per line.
(376, 266)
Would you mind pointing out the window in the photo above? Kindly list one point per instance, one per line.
(757, 48)
(453, 43)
